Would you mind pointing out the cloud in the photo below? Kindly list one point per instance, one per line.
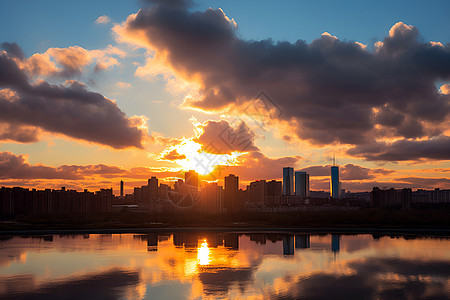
(256, 166)
(219, 148)
(15, 170)
(348, 172)
(372, 278)
(173, 155)
(14, 166)
(424, 182)
(219, 137)
(445, 89)
(80, 286)
(123, 85)
(437, 148)
(330, 91)
(171, 3)
(19, 133)
(17, 167)
(69, 109)
(63, 63)
(13, 50)
(103, 20)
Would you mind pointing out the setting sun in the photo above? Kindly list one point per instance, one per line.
(192, 157)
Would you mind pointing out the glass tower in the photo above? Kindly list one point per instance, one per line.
(288, 181)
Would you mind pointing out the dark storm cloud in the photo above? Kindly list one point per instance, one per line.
(170, 3)
(18, 133)
(436, 148)
(329, 90)
(13, 50)
(66, 109)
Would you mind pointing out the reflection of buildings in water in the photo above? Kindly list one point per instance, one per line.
(152, 242)
(228, 274)
(302, 241)
(45, 238)
(231, 240)
(261, 238)
(288, 245)
(163, 238)
(186, 239)
(335, 242)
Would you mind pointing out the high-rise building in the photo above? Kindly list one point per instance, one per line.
(334, 183)
(257, 191)
(231, 192)
(211, 198)
(153, 188)
(274, 188)
(121, 188)
(302, 184)
(191, 179)
(288, 181)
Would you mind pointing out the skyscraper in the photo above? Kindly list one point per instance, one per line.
(191, 179)
(231, 192)
(153, 188)
(334, 182)
(302, 184)
(288, 181)
(121, 188)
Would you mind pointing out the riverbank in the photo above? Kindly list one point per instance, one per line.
(374, 231)
(373, 219)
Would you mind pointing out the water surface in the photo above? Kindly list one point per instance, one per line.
(198, 265)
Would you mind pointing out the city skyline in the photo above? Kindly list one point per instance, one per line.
(107, 95)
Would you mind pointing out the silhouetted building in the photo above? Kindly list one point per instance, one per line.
(121, 188)
(392, 198)
(153, 188)
(430, 198)
(274, 188)
(335, 188)
(19, 201)
(211, 198)
(302, 184)
(257, 192)
(191, 179)
(231, 193)
(288, 181)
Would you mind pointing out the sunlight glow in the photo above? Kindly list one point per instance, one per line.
(203, 254)
(200, 161)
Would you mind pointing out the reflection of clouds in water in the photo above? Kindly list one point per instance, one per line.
(215, 264)
(110, 284)
(374, 279)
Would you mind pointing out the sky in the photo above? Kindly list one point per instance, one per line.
(95, 92)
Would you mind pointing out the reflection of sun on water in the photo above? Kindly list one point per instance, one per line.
(203, 254)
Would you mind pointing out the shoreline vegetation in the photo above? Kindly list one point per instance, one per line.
(364, 220)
